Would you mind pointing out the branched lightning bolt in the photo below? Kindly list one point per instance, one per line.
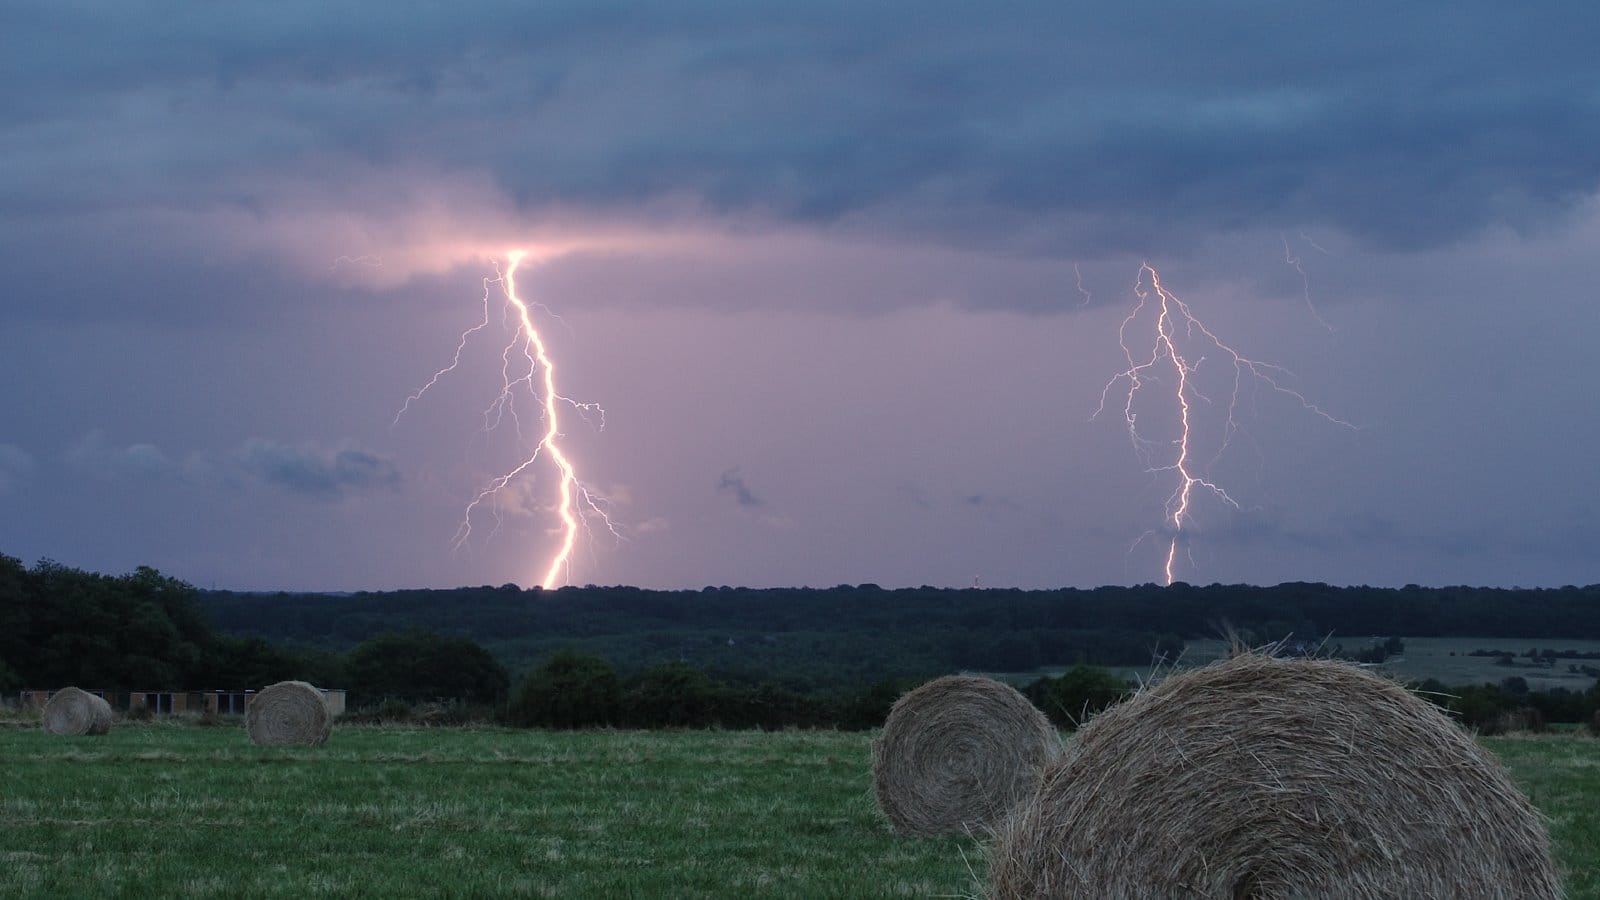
(1087, 297)
(368, 260)
(488, 286)
(1291, 259)
(526, 365)
(1176, 326)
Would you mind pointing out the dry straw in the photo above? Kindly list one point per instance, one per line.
(71, 711)
(957, 754)
(1256, 777)
(289, 712)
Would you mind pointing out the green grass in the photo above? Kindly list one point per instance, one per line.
(1561, 775)
(184, 811)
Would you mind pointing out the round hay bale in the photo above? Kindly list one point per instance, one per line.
(71, 711)
(957, 753)
(1257, 777)
(289, 712)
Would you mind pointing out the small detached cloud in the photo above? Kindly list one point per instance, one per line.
(306, 470)
(15, 466)
(652, 525)
(316, 472)
(135, 462)
(732, 482)
(988, 501)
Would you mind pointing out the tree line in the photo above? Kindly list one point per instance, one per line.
(148, 631)
(572, 689)
(829, 658)
(852, 634)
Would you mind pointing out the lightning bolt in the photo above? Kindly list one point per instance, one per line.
(1290, 259)
(1176, 327)
(526, 366)
(1087, 297)
(368, 260)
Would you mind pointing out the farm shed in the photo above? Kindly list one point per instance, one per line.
(171, 702)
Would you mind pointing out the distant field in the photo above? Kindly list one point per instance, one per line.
(1430, 658)
(186, 811)
(1426, 658)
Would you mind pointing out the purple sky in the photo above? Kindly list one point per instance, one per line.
(820, 266)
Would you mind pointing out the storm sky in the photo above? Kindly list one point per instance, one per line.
(847, 279)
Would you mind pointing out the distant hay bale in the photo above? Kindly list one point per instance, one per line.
(289, 712)
(957, 753)
(1257, 777)
(71, 711)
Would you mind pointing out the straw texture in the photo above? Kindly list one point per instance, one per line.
(289, 712)
(71, 711)
(1257, 777)
(957, 753)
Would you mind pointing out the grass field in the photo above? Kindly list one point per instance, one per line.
(186, 811)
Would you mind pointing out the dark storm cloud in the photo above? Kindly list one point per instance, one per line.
(1032, 126)
(732, 482)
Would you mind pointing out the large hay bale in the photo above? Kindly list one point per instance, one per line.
(289, 712)
(957, 754)
(1257, 777)
(71, 711)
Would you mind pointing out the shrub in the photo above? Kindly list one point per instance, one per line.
(420, 666)
(771, 707)
(869, 707)
(1481, 706)
(1078, 694)
(673, 695)
(568, 690)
